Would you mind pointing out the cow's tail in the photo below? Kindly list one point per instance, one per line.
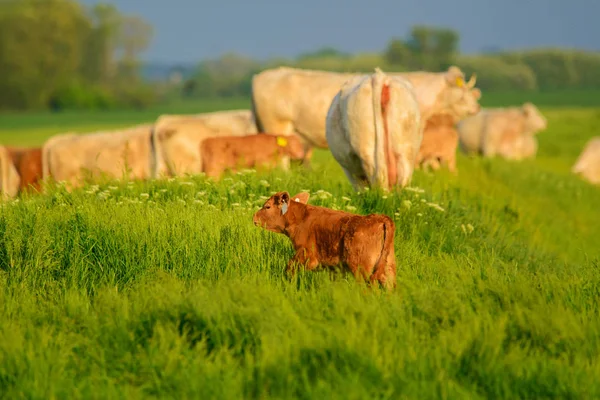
(259, 125)
(385, 267)
(385, 169)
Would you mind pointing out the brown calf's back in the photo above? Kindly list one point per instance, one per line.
(232, 152)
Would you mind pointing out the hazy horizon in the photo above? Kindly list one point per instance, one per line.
(185, 31)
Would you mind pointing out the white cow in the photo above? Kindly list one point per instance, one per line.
(290, 100)
(373, 129)
(70, 157)
(588, 164)
(9, 176)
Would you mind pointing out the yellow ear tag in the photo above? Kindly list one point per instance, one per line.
(281, 141)
(459, 81)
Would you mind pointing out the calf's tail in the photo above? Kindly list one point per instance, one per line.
(385, 267)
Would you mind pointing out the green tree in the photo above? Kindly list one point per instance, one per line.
(40, 49)
(397, 53)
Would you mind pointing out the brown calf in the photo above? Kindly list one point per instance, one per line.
(440, 141)
(230, 152)
(28, 163)
(362, 243)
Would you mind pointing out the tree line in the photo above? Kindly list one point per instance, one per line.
(59, 54)
(424, 48)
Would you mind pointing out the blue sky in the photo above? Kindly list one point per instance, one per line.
(192, 30)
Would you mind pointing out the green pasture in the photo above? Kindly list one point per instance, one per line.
(166, 289)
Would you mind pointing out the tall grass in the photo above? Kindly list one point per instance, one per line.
(166, 289)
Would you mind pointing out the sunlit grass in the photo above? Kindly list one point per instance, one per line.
(166, 289)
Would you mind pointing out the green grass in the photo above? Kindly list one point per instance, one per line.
(167, 290)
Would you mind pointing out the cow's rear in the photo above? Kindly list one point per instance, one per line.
(374, 131)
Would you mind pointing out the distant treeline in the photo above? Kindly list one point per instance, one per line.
(58, 54)
(426, 48)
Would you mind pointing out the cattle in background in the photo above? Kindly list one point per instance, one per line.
(289, 100)
(364, 244)
(9, 177)
(115, 154)
(219, 154)
(505, 132)
(439, 144)
(587, 165)
(234, 122)
(177, 141)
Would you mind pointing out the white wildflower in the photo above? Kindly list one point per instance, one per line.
(346, 198)
(436, 206)
(419, 215)
(144, 195)
(414, 189)
(407, 204)
(264, 183)
(201, 193)
(350, 208)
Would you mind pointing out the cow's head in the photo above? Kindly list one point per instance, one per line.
(274, 214)
(534, 120)
(460, 98)
(292, 146)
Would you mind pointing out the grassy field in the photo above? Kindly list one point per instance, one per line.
(167, 290)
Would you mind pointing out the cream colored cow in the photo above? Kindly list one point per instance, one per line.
(9, 177)
(177, 142)
(231, 121)
(289, 100)
(72, 158)
(505, 132)
(587, 165)
(373, 129)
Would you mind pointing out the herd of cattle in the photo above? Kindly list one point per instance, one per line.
(379, 127)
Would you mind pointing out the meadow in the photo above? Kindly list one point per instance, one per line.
(166, 289)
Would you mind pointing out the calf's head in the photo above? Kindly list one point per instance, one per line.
(274, 214)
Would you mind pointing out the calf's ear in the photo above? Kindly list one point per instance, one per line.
(285, 201)
(301, 197)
